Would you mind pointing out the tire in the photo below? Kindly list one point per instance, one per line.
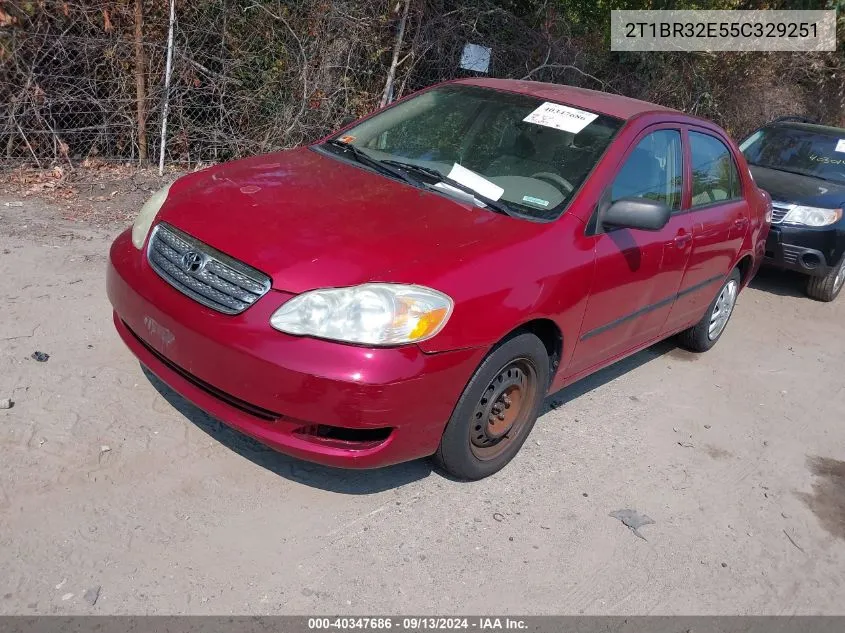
(497, 409)
(700, 337)
(827, 288)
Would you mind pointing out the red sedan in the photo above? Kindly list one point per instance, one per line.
(416, 284)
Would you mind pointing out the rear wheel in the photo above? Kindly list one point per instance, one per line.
(497, 410)
(704, 334)
(827, 288)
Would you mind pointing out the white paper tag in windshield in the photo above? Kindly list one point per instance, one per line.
(840, 145)
(561, 117)
(477, 183)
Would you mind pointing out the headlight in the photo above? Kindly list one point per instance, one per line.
(146, 216)
(812, 216)
(372, 314)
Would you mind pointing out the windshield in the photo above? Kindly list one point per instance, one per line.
(531, 155)
(797, 150)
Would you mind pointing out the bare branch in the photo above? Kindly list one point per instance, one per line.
(568, 67)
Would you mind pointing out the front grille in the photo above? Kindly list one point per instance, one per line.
(203, 273)
(779, 211)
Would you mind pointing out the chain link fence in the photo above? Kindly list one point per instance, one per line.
(79, 82)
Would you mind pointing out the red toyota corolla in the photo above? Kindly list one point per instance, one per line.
(416, 284)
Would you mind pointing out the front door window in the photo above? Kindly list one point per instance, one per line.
(653, 170)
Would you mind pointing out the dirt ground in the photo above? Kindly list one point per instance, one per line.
(117, 496)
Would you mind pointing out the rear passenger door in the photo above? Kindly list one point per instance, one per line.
(720, 218)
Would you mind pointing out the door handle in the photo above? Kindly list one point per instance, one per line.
(682, 240)
(741, 223)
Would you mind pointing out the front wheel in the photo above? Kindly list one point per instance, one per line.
(497, 410)
(704, 334)
(827, 288)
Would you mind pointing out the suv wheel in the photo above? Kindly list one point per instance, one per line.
(827, 288)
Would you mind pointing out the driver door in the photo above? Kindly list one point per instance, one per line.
(638, 272)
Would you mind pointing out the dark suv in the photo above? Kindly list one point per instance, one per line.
(802, 166)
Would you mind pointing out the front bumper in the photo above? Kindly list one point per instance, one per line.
(812, 251)
(278, 388)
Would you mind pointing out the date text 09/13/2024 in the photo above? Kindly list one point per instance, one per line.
(417, 623)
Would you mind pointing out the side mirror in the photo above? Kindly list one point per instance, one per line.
(636, 213)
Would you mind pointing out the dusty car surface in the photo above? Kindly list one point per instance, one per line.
(417, 283)
(802, 166)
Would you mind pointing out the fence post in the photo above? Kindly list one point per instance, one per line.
(140, 82)
(167, 72)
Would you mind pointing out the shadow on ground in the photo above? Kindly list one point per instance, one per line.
(827, 500)
(785, 283)
(364, 482)
(614, 371)
(350, 482)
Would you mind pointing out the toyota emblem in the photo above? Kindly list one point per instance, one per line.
(193, 262)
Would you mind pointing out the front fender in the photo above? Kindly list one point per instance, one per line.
(547, 277)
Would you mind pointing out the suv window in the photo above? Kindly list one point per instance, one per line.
(652, 170)
(811, 151)
(714, 175)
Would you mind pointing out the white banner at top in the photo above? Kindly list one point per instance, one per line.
(757, 30)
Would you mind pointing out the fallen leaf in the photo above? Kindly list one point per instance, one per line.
(633, 520)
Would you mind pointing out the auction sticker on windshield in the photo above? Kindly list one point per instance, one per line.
(561, 117)
(840, 145)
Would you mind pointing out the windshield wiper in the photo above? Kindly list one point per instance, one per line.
(501, 207)
(390, 167)
(378, 165)
(429, 171)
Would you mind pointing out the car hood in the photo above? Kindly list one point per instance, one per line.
(784, 186)
(310, 220)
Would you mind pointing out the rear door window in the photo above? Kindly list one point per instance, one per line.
(714, 175)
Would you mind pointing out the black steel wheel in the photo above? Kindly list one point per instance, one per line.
(497, 409)
(503, 409)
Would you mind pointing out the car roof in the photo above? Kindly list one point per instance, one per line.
(809, 127)
(602, 102)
